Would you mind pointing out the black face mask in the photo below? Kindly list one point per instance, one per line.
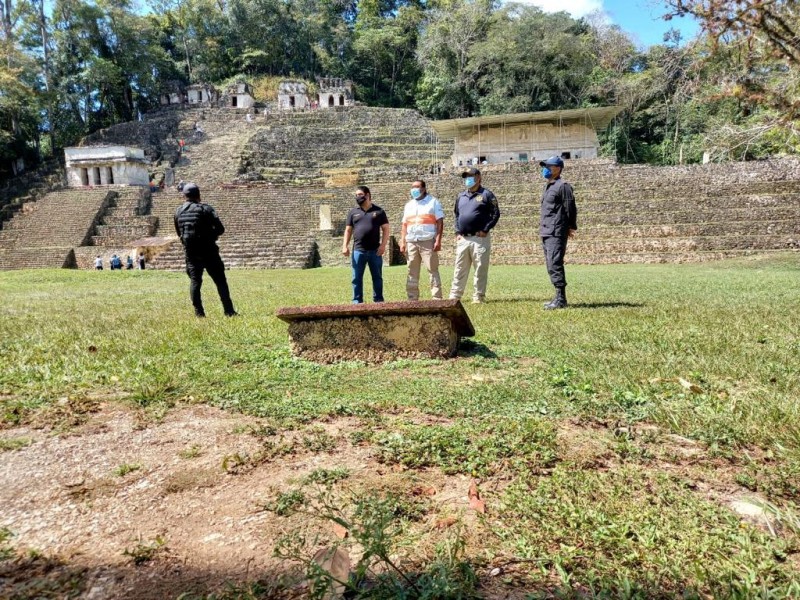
(361, 200)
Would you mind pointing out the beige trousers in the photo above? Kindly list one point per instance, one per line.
(422, 253)
(472, 250)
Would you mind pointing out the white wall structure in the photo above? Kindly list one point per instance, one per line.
(239, 96)
(293, 95)
(201, 93)
(526, 137)
(106, 165)
(334, 92)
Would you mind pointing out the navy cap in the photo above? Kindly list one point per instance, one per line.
(190, 189)
(553, 161)
(470, 173)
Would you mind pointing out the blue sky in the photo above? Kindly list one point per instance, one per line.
(642, 18)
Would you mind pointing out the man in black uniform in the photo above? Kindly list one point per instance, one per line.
(559, 223)
(368, 225)
(198, 226)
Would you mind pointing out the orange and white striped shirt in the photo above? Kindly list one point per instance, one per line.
(420, 218)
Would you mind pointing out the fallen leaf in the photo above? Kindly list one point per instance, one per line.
(692, 387)
(445, 523)
(423, 491)
(477, 505)
(475, 502)
(340, 531)
(336, 562)
(473, 490)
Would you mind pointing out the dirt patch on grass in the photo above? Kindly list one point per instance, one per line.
(94, 499)
(120, 509)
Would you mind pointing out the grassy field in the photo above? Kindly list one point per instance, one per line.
(608, 440)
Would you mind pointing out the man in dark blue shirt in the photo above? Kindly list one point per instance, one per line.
(476, 214)
(559, 222)
(368, 226)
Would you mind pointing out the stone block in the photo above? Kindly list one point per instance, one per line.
(377, 332)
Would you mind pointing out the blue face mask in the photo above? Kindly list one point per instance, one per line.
(469, 182)
(416, 193)
(547, 173)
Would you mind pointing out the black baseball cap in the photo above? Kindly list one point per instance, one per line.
(553, 161)
(190, 189)
(470, 173)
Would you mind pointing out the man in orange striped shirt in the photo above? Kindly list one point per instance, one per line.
(421, 239)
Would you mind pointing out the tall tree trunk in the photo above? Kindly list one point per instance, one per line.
(47, 84)
(8, 30)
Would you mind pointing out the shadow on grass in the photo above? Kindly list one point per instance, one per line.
(607, 305)
(467, 348)
(547, 299)
(161, 578)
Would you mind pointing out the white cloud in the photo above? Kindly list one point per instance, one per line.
(576, 8)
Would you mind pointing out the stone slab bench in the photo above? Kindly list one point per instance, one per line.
(377, 332)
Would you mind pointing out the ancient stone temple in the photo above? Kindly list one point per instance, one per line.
(201, 93)
(525, 137)
(292, 94)
(173, 94)
(238, 96)
(335, 92)
(106, 165)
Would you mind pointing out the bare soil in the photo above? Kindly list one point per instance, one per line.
(68, 498)
(62, 497)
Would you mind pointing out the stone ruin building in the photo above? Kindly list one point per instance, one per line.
(174, 94)
(238, 96)
(292, 95)
(525, 137)
(334, 91)
(106, 165)
(196, 94)
(201, 93)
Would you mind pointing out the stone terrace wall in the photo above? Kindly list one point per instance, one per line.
(374, 142)
(157, 135)
(44, 233)
(626, 214)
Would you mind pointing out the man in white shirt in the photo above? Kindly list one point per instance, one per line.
(421, 239)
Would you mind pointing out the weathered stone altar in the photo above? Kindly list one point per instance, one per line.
(377, 332)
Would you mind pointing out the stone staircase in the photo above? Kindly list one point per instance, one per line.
(269, 180)
(262, 231)
(626, 214)
(29, 187)
(125, 219)
(213, 157)
(371, 144)
(44, 233)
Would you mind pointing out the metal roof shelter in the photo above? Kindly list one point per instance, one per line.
(528, 136)
(599, 118)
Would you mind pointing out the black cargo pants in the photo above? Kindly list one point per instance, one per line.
(207, 260)
(554, 250)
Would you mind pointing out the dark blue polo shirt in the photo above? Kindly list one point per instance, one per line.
(476, 211)
(367, 227)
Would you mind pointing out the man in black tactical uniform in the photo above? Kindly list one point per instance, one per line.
(198, 226)
(559, 223)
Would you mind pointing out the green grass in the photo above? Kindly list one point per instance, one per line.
(613, 361)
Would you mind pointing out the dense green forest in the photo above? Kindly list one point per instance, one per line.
(74, 66)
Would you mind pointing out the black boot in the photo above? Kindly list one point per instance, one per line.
(560, 301)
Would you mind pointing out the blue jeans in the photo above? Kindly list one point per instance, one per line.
(361, 259)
